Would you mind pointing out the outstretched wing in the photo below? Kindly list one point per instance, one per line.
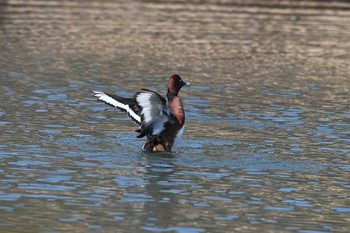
(154, 112)
(127, 105)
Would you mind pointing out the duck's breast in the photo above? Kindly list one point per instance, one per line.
(177, 108)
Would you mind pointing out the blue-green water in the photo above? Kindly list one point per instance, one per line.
(267, 139)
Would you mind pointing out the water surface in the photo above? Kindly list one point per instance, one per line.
(267, 139)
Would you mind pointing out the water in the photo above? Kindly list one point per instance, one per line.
(267, 139)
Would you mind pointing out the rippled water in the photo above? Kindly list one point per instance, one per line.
(267, 139)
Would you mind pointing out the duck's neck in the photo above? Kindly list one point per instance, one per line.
(170, 96)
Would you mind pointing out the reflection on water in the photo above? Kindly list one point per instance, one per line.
(266, 144)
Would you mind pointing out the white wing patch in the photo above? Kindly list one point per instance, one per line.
(154, 111)
(109, 100)
(144, 100)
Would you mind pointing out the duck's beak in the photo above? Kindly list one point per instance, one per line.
(186, 83)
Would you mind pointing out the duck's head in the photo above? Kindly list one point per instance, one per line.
(175, 83)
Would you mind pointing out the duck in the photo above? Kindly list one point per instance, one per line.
(160, 119)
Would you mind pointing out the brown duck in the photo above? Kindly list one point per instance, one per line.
(160, 119)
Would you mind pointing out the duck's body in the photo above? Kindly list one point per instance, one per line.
(160, 119)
